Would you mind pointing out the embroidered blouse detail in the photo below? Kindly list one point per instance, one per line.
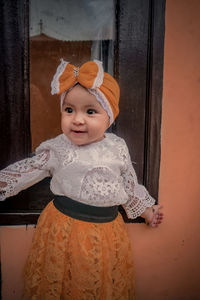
(99, 174)
(98, 185)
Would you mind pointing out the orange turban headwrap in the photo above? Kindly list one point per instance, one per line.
(91, 76)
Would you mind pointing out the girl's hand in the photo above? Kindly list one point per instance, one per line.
(152, 215)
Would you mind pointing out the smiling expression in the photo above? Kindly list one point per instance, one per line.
(83, 120)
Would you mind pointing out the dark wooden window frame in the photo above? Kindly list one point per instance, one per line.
(14, 91)
(134, 119)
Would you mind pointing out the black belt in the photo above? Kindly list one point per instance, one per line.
(84, 212)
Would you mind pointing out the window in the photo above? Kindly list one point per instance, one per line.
(137, 52)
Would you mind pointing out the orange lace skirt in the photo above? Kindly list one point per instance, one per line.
(78, 260)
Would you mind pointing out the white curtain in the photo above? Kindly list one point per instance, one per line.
(73, 20)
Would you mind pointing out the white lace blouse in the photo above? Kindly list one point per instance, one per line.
(99, 174)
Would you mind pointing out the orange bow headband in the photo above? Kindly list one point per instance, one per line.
(91, 76)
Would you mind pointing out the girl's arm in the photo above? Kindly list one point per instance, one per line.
(23, 174)
(139, 203)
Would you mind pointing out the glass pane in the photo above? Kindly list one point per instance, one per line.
(71, 29)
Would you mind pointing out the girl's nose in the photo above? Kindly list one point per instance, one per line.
(78, 118)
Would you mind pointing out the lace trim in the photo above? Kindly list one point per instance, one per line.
(103, 101)
(69, 155)
(63, 149)
(123, 154)
(135, 207)
(7, 184)
(99, 79)
(139, 198)
(29, 164)
(13, 178)
(55, 82)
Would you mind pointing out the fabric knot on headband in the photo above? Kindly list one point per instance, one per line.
(91, 76)
(76, 71)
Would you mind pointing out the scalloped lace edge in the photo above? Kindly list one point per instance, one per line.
(99, 79)
(55, 82)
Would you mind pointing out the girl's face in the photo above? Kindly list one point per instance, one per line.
(83, 120)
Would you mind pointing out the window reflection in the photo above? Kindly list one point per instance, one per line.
(71, 29)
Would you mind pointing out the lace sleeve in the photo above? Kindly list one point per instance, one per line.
(138, 197)
(23, 174)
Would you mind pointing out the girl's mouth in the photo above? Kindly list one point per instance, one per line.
(78, 131)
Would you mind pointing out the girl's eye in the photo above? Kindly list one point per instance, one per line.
(91, 111)
(69, 110)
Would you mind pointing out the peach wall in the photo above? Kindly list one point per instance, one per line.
(15, 242)
(167, 260)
